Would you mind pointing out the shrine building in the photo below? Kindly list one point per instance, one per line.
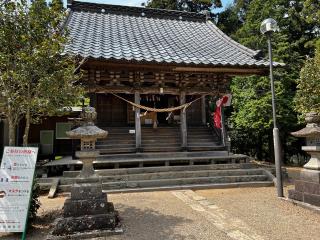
(154, 58)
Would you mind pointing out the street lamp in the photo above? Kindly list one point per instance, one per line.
(267, 27)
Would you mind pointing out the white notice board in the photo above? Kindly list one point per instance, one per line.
(16, 177)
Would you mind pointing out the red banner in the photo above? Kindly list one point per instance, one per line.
(217, 113)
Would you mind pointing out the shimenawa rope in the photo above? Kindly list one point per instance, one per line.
(149, 109)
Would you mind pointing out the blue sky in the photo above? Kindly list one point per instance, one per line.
(135, 2)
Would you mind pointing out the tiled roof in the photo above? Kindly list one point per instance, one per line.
(145, 35)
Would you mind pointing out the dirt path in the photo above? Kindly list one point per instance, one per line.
(228, 214)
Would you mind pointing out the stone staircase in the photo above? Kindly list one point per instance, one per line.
(119, 140)
(201, 138)
(166, 171)
(161, 139)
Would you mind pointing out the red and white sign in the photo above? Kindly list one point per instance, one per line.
(16, 177)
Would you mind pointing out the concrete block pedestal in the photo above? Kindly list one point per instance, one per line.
(86, 213)
(307, 188)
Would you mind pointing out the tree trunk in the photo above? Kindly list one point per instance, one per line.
(12, 132)
(27, 128)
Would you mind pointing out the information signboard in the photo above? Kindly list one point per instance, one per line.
(16, 178)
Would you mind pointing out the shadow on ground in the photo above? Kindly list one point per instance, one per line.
(150, 224)
(138, 224)
(39, 228)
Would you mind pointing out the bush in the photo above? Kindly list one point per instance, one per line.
(35, 203)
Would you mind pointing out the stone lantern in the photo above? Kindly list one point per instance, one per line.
(88, 134)
(307, 188)
(87, 213)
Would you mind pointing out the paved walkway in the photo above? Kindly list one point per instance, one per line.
(229, 214)
(272, 218)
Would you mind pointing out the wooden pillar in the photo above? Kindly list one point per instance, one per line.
(137, 121)
(183, 122)
(203, 110)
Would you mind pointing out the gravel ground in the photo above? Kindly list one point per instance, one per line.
(272, 218)
(49, 210)
(163, 216)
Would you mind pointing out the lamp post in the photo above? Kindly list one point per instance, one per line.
(267, 27)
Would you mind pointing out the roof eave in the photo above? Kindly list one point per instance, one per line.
(179, 67)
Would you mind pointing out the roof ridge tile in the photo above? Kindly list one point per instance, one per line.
(136, 11)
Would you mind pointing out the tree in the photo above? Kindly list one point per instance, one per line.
(38, 74)
(229, 21)
(185, 5)
(311, 10)
(308, 90)
(252, 116)
(12, 22)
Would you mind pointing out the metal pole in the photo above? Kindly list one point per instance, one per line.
(276, 138)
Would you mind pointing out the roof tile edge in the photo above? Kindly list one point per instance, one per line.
(136, 11)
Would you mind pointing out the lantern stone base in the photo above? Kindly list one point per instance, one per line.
(87, 158)
(307, 188)
(314, 162)
(87, 210)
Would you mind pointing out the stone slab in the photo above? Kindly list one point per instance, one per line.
(54, 188)
(295, 195)
(310, 176)
(87, 235)
(86, 191)
(76, 208)
(72, 225)
(302, 204)
(307, 187)
(87, 154)
(311, 199)
(299, 185)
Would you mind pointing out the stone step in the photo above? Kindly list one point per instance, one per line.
(121, 141)
(160, 144)
(117, 150)
(119, 145)
(204, 144)
(170, 155)
(203, 139)
(159, 136)
(194, 186)
(174, 156)
(161, 148)
(66, 188)
(205, 148)
(182, 181)
(155, 141)
(161, 169)
(169, 175)
(208, 138)
(204, 132)
(160, 129)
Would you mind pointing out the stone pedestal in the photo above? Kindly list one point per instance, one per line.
(314, 162)
(87, 210)
(87, 158)
(307, 188)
